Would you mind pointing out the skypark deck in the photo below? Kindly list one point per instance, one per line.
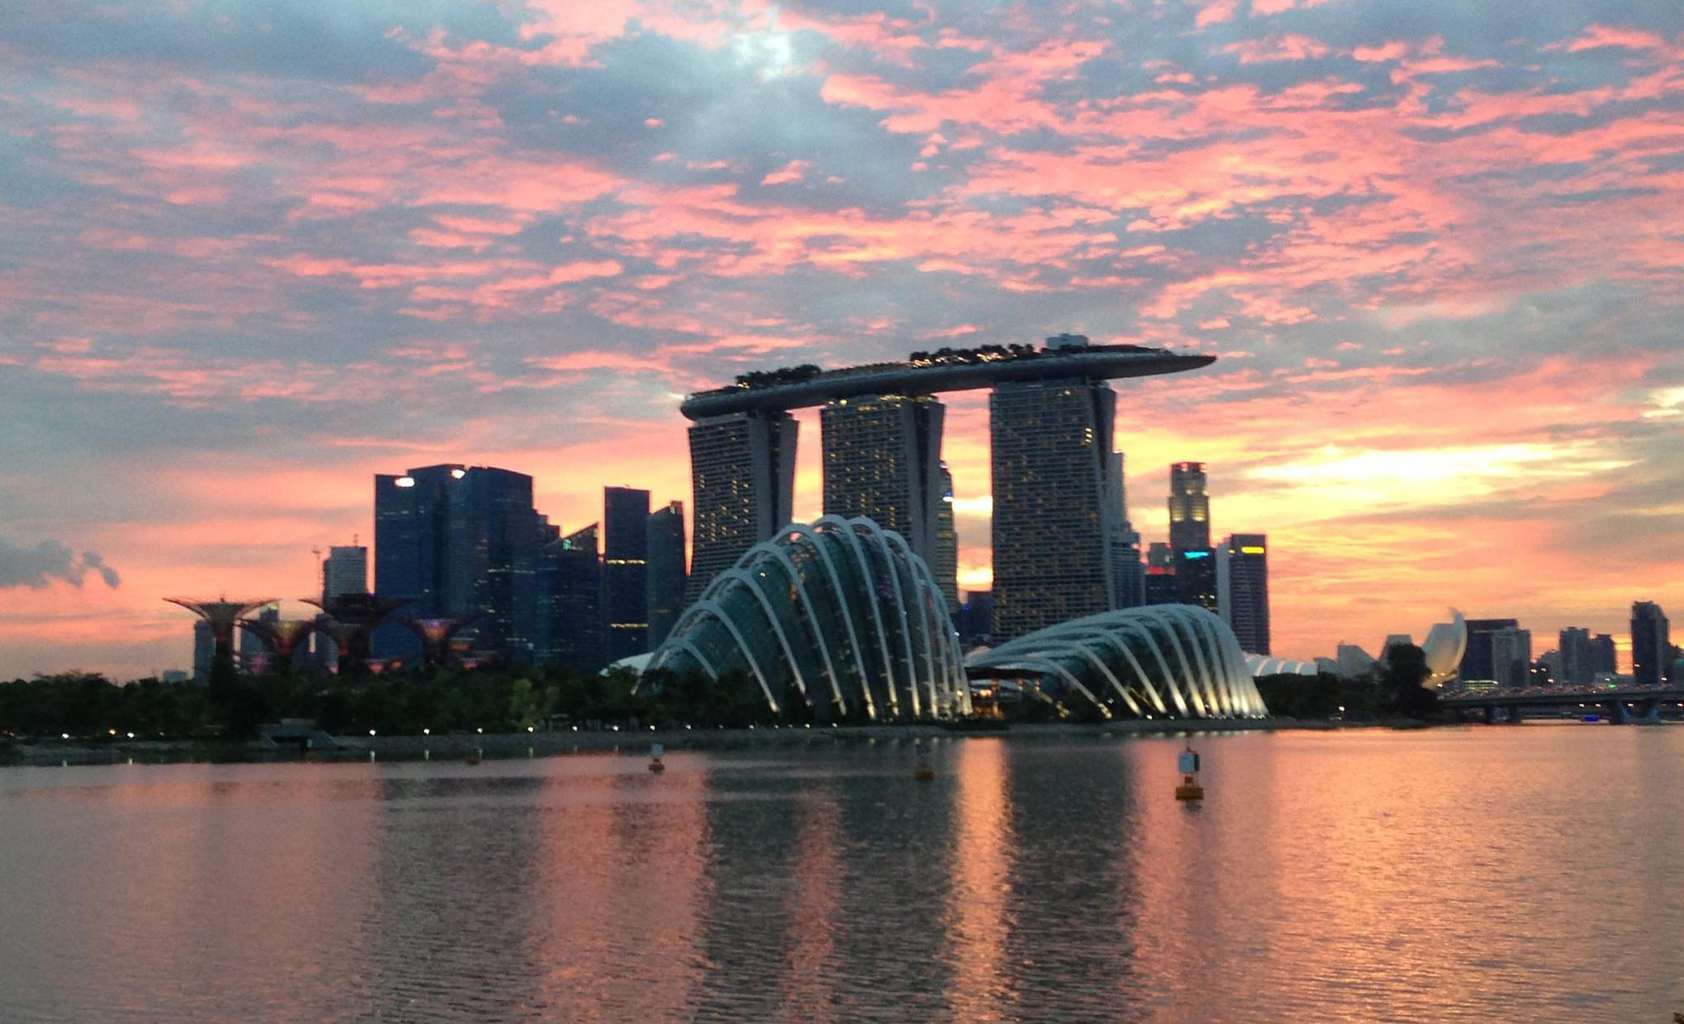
(940, 373)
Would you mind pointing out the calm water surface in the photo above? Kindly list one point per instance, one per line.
(1492, 874)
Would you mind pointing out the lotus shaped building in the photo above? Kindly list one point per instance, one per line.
(840, 616)
(1171, 660)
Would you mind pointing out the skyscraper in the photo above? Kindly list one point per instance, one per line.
(882, 460)
(1189, 535)
(204, 650)
(345, 571)
(492, 549)
(1603, 656)
(1159, 585)
(461, 540)
(625, 570)
(1576, 655)
(1477, 660)
(1651, 644)
(411, 531)
(1054, 527)
(1242, 585)
(665, 531)
(742, 471)
(1127, 576)
(570, 616)
(944, 564)
(1511, 656)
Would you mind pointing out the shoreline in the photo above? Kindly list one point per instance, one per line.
(492, 746)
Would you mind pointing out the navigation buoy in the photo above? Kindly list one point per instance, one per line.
(655, 764)
(1188, 765)
(924, 772)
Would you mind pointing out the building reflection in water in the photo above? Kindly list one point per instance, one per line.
(1073, 893)
(981, 860)
(618, 881)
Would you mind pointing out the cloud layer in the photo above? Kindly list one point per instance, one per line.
(252, 256)
(49, 562)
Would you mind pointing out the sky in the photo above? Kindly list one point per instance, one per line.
(252, 254)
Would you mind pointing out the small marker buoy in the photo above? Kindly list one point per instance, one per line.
(1188, 765)
(924, 772)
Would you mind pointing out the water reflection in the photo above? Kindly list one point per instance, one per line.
(1464, 875)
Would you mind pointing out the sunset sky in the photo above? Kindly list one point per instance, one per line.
(251, 254)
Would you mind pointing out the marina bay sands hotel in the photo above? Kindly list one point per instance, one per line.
(1060, 531)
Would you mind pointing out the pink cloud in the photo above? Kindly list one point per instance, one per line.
(793, 171)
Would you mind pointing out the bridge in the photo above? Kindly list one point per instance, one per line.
(1631, 704)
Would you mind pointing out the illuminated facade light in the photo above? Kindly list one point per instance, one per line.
(404, 481)
(839, 615)
(1176, 660)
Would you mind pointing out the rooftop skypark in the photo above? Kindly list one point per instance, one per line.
(928, 373)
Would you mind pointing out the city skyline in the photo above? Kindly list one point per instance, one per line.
(256, 261)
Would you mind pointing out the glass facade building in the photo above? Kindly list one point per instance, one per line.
(625, 570)
(1242, 589)
(1189, 535)
(839, 619)
(882, 460)
(944, 562)
(1651, 644)
(570, 618)
(1057, 513)
(666, 576)
(742, 475)
(1177, 661)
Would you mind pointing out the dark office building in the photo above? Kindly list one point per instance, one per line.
(1651, 644)
(1511, 656)
(493, 545)
(1159, 586)
(975, 621)
(461, 541)
(625, 570)
(204, 650)
(742, 472)
(570, 615)
(1577, 658)
(411, 531)
(1055, 530)
(944, 563)
(1242, 585)
(1603, 657)
(1189, 535)
(1128, 576)
(666, 575)
(1476, 660)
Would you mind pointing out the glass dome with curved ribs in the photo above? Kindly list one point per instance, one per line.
(839, 615)
(1173, 660)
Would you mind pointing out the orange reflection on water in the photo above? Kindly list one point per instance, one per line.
(813, 909)
(621, 874)
(976, 905)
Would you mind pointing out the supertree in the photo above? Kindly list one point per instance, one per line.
(435, 634)
(222, 614)
(282, 637)
(350, 619)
